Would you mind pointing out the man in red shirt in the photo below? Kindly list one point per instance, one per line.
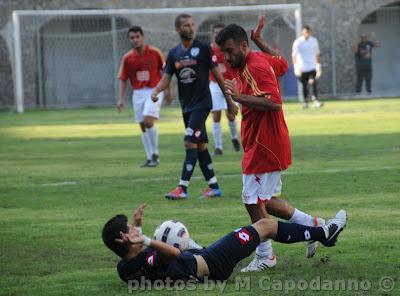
(265, 137)
(142, 66)
(218, 98)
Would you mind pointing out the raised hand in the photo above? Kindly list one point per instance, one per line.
(257, 31)
(138, 215)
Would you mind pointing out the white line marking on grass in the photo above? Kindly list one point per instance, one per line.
(228, 176)
(59, 184)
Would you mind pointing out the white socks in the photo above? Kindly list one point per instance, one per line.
(217, 134)
(301, 218)
(264, 249)
(153, 136)
(147, 145)
(233, 129)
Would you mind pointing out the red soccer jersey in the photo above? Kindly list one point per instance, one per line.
(225, 69)
(142, 69)
(265, 137)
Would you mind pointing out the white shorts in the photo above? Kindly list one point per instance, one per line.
(261, 187)
(143, 105)
(218, 98)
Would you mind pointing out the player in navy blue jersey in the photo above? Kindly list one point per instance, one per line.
(191, 62)
(145, 258)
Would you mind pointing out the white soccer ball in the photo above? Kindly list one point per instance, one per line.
(173, 233)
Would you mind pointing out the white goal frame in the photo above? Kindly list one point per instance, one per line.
(16, 15)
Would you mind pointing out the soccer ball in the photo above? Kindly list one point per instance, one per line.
(173, 233)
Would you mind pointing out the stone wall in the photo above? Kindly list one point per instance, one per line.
(347, 16)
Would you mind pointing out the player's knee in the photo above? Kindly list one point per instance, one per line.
(148, 122)
(190, 145)
(265, 228)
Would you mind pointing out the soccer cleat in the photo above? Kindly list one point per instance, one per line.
(210, 192)
(334, 227)
(260, 263)
(218, 151)
(177, 194)
(155, 158)
(149, 164)
(236, 145)
(313, 245)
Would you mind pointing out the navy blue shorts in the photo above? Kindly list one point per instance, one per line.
(223, 255)
(195, 124)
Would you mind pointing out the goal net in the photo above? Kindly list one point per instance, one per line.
(70, 58)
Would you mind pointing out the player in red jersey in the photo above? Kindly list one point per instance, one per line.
(218, 98)
(142, 66)
(265, 137)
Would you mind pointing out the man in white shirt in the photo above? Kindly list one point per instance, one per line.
(307, 65)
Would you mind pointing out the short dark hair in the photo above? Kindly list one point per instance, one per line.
(136, 29)
(234, 32)
(217, 26)
(307, 28)
(111, 231)
(179, 19)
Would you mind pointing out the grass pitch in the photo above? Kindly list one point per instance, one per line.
(64, 173)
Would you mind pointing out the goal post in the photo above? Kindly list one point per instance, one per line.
(70, 58)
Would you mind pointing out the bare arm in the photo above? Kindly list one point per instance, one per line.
(232, 108)
(122, 91)
(259, 103)
(162, 85)
(256, 36)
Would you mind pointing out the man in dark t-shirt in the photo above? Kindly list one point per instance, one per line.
(145, 258)
(363, 58)
(191, 61)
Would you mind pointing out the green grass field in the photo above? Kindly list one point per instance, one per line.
(64, 173)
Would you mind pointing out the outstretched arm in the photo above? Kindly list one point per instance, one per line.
(256, 36)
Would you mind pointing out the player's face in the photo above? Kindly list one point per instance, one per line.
(306, 33)
(187, 30)
(235, 54)
(136, 39)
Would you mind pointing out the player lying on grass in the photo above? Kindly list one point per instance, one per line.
(142, 257)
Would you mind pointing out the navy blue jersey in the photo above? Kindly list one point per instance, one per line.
(148, 265)
(192, 67)
(221, 258)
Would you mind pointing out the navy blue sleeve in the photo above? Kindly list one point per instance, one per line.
(141, 265)
(372, 44)
(170, 64)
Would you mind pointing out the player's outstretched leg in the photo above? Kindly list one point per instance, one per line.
(233, 131)
(289, 233)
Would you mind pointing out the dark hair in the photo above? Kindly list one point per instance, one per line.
(179, 19)
(307, 28)
(217, 26)
(111, 231)
(234, 32)
(136, 29)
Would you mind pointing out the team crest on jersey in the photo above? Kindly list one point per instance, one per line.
(214, 58)
(194, 51)
(243, 236)
(150, 259)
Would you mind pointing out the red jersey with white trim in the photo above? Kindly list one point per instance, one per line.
(142, 69)
(265, 136)
(225, 69)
